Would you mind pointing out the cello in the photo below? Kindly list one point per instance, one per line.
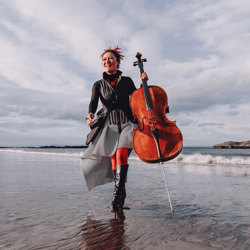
(156, 139)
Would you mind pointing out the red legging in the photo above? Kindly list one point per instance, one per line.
(120, 157)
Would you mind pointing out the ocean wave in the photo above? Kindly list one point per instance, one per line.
(22, 151)
(211, 159)
(197, 158)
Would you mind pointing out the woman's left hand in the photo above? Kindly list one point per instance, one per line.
(144, 76)
(89, 118)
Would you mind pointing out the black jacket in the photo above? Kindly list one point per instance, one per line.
(113, 97)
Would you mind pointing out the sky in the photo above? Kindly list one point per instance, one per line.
(197, 51)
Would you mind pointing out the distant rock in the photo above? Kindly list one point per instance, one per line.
(233, 144)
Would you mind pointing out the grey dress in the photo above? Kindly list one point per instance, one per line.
(117, 131)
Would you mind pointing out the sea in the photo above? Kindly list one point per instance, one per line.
(45, 203)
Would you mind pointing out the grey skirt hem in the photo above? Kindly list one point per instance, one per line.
(96, 163)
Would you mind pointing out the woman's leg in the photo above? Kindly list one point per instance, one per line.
(122, 155)
(119, 194)
(113, 161)
(113, 164)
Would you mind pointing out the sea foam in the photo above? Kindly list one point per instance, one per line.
(197, 158)
(212, 159)
(22, 151)
(194, 158)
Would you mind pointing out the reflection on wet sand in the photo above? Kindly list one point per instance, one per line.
(103, 234)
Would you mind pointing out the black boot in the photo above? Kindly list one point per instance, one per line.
(119, 194)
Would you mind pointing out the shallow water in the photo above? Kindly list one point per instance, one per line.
(45, 204)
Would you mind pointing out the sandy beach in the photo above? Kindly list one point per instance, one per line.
(45, 203)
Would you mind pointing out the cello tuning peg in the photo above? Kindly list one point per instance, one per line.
(135, 63)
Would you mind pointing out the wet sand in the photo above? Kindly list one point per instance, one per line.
(45, 204)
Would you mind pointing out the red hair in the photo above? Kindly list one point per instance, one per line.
(116, 51)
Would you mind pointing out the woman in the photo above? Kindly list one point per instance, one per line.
(106, 159)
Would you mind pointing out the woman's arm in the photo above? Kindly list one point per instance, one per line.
(93, 103)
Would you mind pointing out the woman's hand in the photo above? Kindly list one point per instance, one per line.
(89, 118)
(143, 76)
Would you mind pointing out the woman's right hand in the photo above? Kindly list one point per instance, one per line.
(89, 118)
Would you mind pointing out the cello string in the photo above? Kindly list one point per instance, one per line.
(148, 98)
(166, 184)
(149, 104)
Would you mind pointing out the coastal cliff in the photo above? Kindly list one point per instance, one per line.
(233, 144)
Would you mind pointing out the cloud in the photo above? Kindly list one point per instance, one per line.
(24, 102)
(198, 52)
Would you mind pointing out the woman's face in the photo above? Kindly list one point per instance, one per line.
(110, 63)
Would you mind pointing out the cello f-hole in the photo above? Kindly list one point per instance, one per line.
(142, 121)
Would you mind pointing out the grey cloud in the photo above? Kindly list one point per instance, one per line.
(211, 124)
(25, 126)
(10, 138)
(24, 102)
(232, 112)
(205, 97)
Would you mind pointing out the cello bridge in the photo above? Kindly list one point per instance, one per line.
(154, 121)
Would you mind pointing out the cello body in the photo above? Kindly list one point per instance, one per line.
(156, 139)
